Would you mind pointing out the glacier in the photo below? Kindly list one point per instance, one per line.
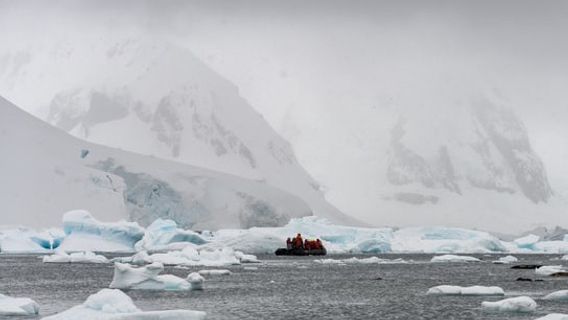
(113, 304)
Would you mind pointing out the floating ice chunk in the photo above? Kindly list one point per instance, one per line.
(17, 306)
(445, 240)
(215, 272)
(61, 256)
(146, 278)
(164, 234)
(527, 242)
(507, 259)
(554, 316)
(517, 304)
(454, 258)
(250, 268)
(196, 281)
(112, 304)
(466, 291)
(549, 270)
(557, 295)
(190, 256)
(370, 260)
(246, 258)
(85, 233)
(564, 257)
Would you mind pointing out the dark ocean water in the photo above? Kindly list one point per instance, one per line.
(298, 288)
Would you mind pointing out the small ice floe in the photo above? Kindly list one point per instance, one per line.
(17, 306)
(190, 256)
(370, 260)
(557, 295)
(550, 270)
(215, 272)
(250, 268)
(147, 278)
(116, 305)
(196, 281)
(61, 256)
(517, 304)
(466, 291)
(454, 258)
(554, 316)
(564, 257)
(505, 260)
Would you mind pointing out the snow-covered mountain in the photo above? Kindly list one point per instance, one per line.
(468, 164)
(152, 97)
(46, 172)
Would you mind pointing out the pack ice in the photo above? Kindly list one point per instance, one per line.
(113, 304)
(17, 306)
(149, 278)
(517, 304)
(466, 291)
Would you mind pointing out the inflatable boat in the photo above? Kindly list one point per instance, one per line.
(300, 252)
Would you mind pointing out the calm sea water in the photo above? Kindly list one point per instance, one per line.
(297, 288)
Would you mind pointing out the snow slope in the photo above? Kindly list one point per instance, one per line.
(155, 98)
(46, 172)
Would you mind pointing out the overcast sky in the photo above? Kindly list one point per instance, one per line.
(324, 72)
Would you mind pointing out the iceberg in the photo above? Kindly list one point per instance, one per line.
(147, 278)
(445, 240)
(527, 242)
(190, 256)
(196, 280)
(165, 235)
(85, 233)
(61, 256)
(466, 291)
(550, 270)
(454, 258)
(25, 240)
(517, 304)
(505, 260)
(557, 295)
(10, 306)
(112, 304)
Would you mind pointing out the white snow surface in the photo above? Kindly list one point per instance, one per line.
(64, 173)
(148, 278)
(516, 304)
(61, 256)
(454, 258)
(113, 304)
(10, 306)
(466, 291)
(557, 295)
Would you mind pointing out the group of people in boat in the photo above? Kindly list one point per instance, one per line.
(298, 243)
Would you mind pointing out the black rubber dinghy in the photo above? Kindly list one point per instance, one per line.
(300, 252)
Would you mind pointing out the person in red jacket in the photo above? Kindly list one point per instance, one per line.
(307, 244)
(319, 245)
(298, 242)
(289, 244)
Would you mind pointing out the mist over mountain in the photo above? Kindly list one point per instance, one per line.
(404, 115)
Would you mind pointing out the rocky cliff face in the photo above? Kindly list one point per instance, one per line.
(495, 155)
